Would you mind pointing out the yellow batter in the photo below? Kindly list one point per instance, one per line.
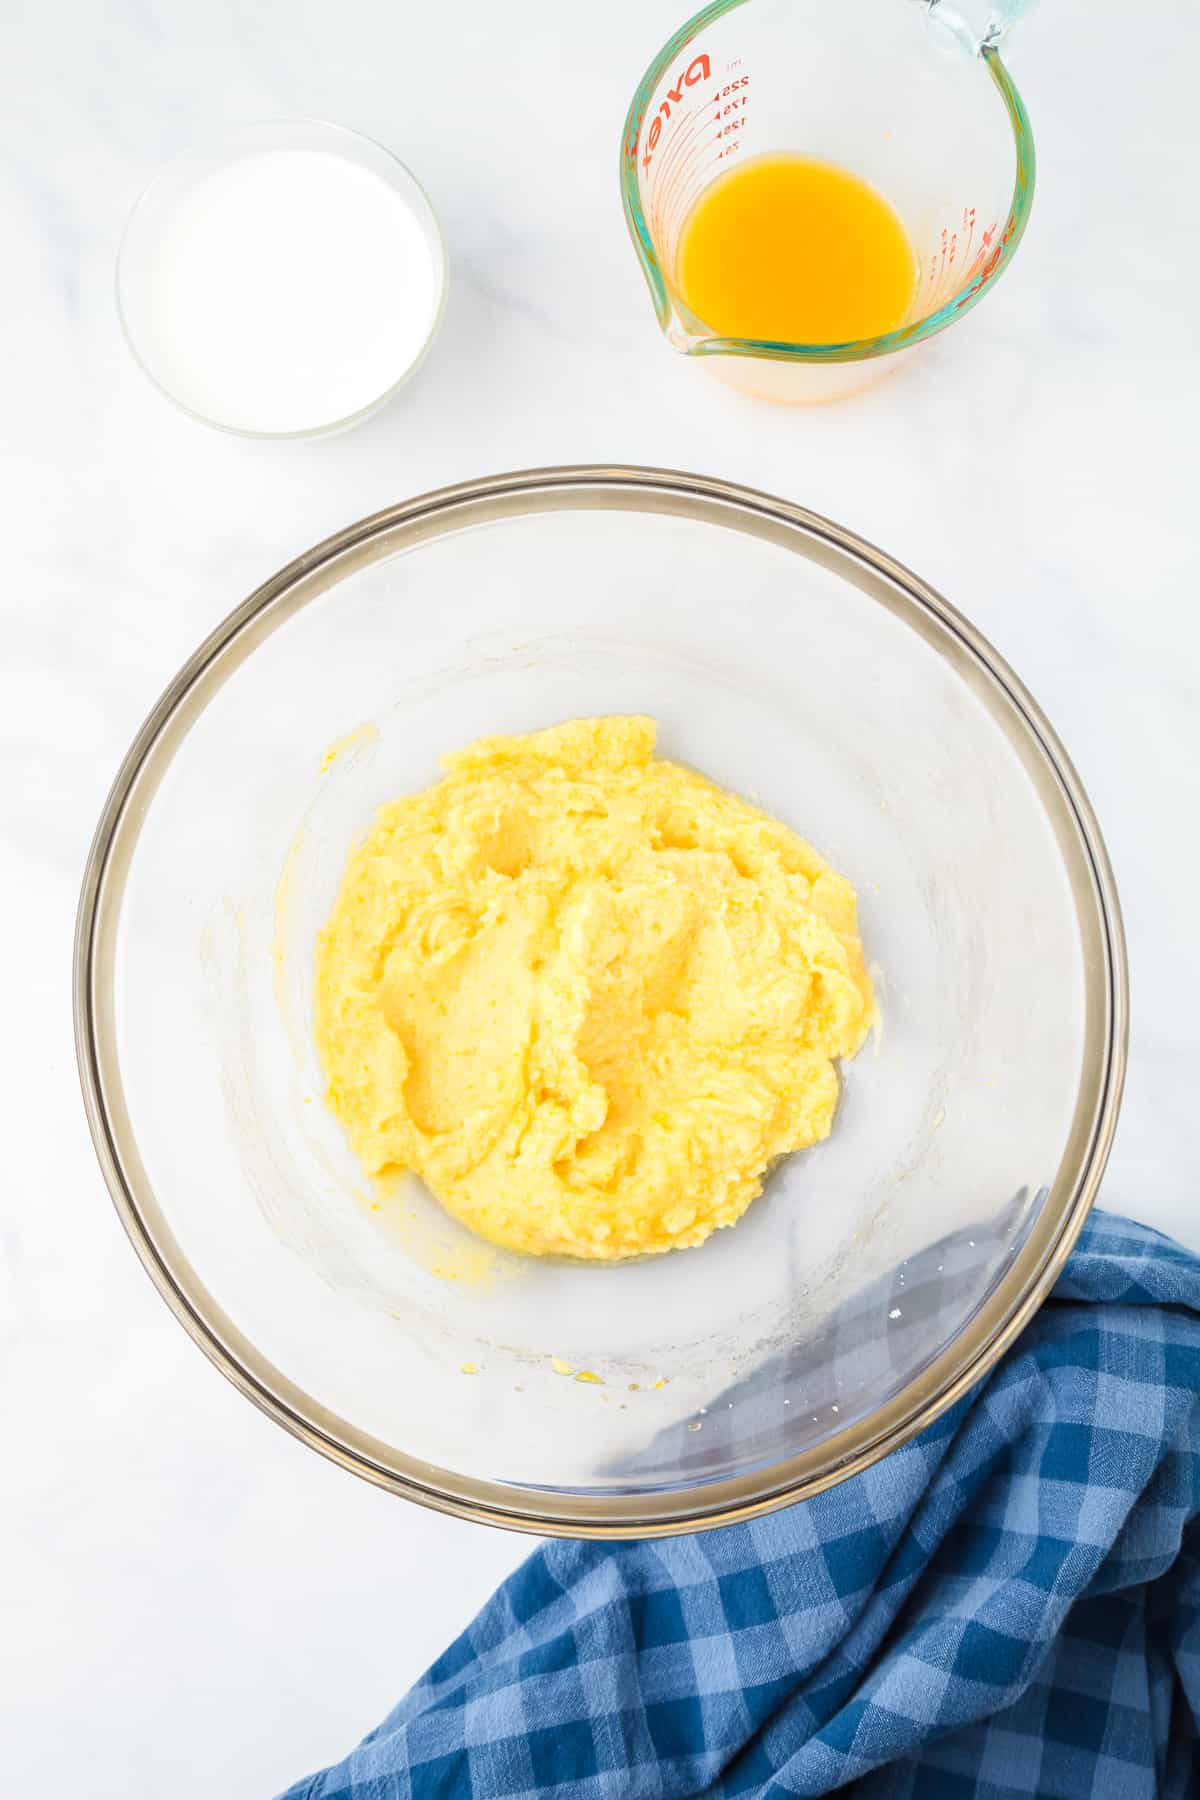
(586, 995)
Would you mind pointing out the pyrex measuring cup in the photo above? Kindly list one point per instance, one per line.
(911, 95)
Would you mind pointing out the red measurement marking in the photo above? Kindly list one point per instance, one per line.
(687, 124)
(681, 203)
(675, 163)
(679, 146)
(688, 148)
(940, 275)
(681, 140)
(699, 69)
(663, 181)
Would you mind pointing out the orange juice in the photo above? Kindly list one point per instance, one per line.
(797, 251)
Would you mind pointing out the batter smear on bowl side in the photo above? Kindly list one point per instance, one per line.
(585, 994)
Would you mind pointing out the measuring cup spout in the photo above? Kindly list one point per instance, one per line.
(973, 25)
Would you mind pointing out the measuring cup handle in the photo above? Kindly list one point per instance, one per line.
(973, 25)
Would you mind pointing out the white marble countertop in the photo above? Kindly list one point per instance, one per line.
(194, 1603)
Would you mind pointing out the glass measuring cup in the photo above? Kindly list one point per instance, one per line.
(912, 97)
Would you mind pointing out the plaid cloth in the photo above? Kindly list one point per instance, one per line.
(1008, 1606)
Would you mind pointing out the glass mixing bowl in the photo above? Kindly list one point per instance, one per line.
(879, 1275)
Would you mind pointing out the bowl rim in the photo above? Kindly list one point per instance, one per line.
(1033, 1267)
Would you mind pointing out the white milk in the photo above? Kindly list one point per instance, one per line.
(286, 291)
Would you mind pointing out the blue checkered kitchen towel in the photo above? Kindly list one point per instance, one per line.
(1008, 1606)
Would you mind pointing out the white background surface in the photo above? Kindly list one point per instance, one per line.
(193, 1603)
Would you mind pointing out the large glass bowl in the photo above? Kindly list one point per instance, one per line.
(878, 1276)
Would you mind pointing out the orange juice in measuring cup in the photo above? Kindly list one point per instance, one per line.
(812, 190)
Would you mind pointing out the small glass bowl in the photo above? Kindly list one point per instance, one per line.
(158, 202)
